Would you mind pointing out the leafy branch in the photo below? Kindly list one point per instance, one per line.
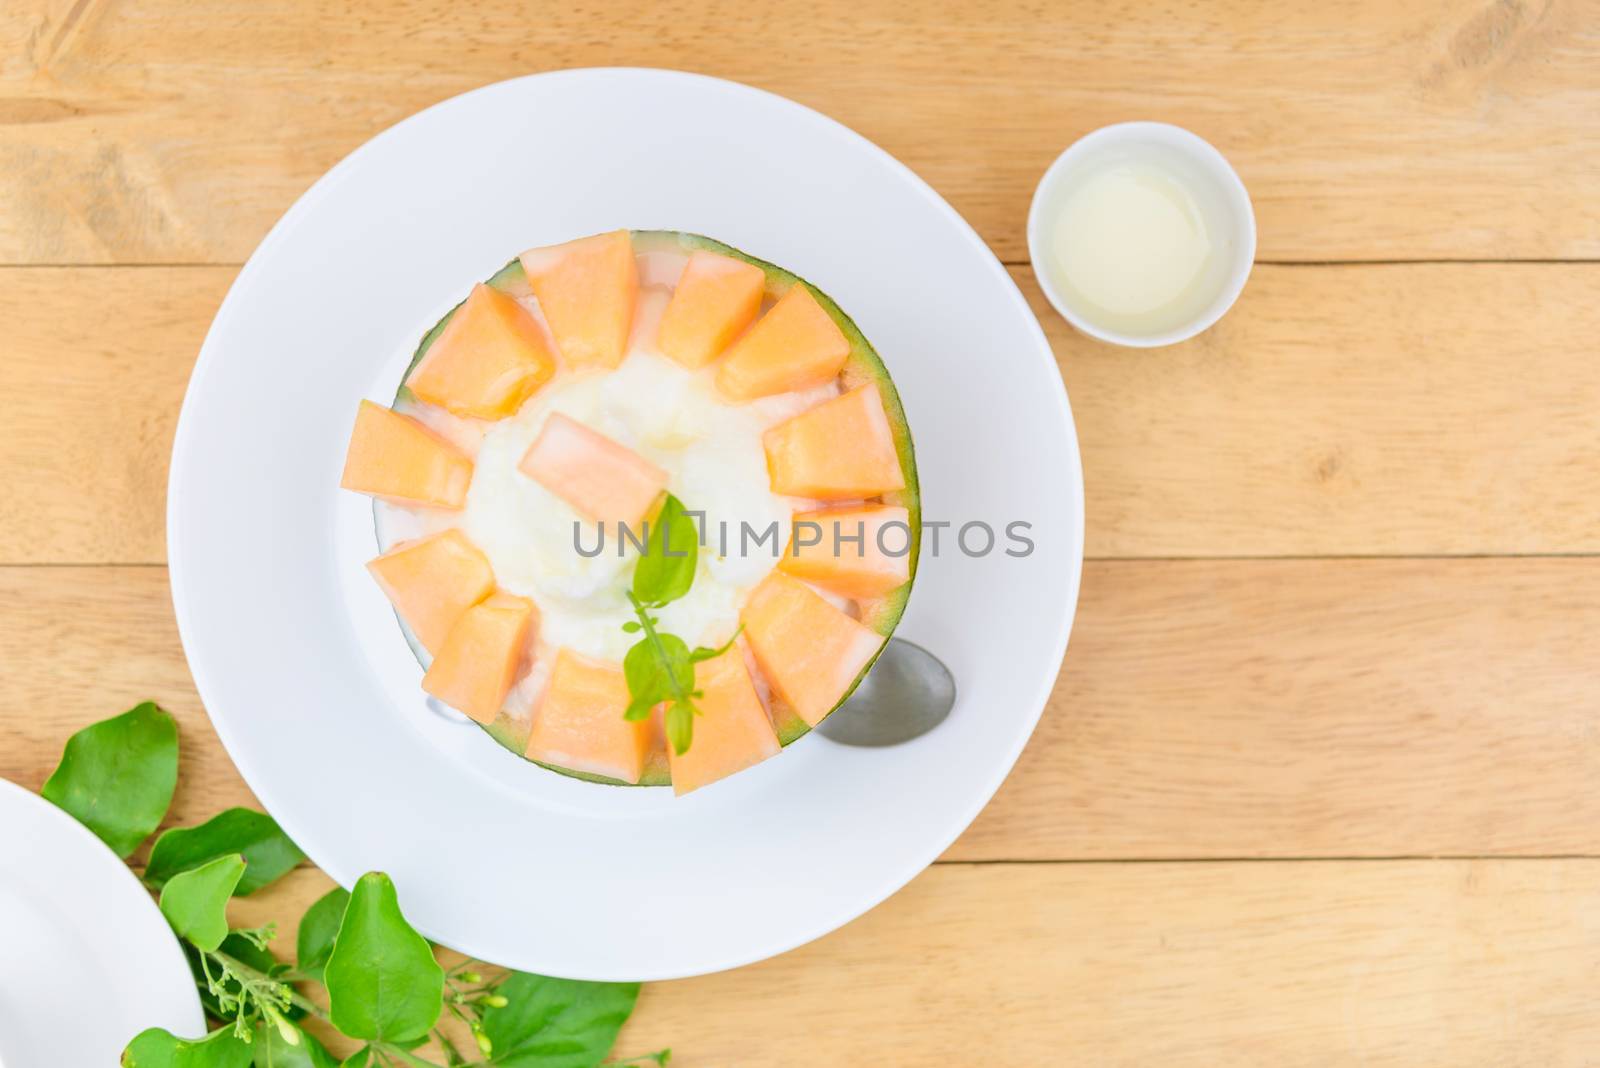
(383, 982)
(659, 667)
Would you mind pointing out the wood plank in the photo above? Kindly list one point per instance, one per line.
(1373, 410)
(1316, 708)
(95, 370)
(1413, 409)
(1457, 963)
(156, 130)
(1359, 708)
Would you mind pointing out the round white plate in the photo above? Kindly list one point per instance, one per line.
(86, 959)
(298, 657)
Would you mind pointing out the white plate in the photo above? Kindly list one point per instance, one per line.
(86, 959)
(297, 655)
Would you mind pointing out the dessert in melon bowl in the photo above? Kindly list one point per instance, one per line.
(646, 507)
(296, 654)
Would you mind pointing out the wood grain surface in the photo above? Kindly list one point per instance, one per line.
(1317, 784)
(160, 131)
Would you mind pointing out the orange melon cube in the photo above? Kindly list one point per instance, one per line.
(847, 550)
(431, 581)
(732, 731)
(489, 358)
(839, 450)
(481, 655)
(716, 298)
(397, 458)
(796, 345)
(586, 289)
(605, 481)
(579, 723)
(809, 651)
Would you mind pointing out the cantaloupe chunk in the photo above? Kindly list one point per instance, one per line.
(490, 357)
(397, 458)
(586, 290)
(604, 480)
(432, 580)
(579, 722)
(732, 731)
(839, 450)
(716, 298)
(809, 651)
(796, 345)
(481, 655)
(847, 550)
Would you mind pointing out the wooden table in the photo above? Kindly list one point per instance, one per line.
(1320, 781)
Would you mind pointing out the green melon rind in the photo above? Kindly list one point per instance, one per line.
(863, 365)
(509, 279)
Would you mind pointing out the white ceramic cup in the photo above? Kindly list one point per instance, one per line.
(1208, 165)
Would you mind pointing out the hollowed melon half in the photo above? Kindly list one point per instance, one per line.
(861, 366)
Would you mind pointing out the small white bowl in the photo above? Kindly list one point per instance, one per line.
(1209, 164)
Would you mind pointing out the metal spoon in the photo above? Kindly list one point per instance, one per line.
(907, 693)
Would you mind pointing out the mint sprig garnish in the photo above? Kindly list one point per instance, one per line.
(660, 666)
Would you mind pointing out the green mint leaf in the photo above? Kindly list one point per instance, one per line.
(666, 569)
(268, 852)
(680, 725)
(116, 777)
(657, 668)
(383, 981)
(556, 1023)
(631, 627)
(272, 1050)
(195, 902)
(313, 942)
(702, 652)
(638, 709)
(358, 1059)
(156, 1048)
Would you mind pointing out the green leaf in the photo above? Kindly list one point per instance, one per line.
(652, 679)
(358, 1059)
(116, 777)
(680, 726)
(272, 1050)
(556, 1023)
(268, 852)
(666, 569)
(156, 1048)
(314, 940)
(703, 652)
(383, 982)
(195, 902)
